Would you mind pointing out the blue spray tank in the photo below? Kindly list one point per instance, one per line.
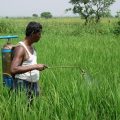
(6, 52)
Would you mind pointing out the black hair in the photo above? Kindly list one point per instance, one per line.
(33, 27)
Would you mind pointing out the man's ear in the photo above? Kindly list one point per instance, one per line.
(32, 33)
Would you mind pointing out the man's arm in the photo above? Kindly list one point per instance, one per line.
(16, 68)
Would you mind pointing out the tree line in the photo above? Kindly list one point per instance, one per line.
(43, 15)
(90, 10)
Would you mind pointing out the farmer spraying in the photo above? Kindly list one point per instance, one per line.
(24, 67)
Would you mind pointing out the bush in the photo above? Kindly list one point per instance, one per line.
(35, 15)
(117, 29)
(46, 15)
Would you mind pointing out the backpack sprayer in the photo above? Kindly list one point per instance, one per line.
(6, 52)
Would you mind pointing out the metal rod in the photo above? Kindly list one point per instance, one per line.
(63, 67)
(55, 67)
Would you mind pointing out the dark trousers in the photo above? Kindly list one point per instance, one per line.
(31, 88)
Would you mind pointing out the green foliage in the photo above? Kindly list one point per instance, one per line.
(35, 15)
(89, 93)
(90, 8)
(116, 30)
(107, 14)
(118, 14)
(7, 26)
(10, 26)
(46, 15)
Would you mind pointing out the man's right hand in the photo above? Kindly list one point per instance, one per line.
(40, 67)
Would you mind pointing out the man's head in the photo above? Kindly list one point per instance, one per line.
(33, 29)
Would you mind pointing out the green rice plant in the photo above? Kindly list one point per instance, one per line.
(88, 93)
(7, 27)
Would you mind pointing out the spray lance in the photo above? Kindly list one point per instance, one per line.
(85, 74)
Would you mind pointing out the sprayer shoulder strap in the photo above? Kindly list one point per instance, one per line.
(21, 43)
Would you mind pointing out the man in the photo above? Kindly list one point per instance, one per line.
(24, 65)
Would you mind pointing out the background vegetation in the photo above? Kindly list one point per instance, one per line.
(89, 93)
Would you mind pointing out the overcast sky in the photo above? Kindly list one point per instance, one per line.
(18, 8)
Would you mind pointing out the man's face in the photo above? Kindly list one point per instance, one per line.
(36, 36)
